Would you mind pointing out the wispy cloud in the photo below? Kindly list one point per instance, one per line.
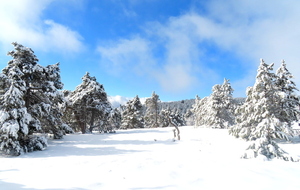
(171, 59)
(136, 56)
(126, 56)
(249, 30)
(21, 20)
(255, 29)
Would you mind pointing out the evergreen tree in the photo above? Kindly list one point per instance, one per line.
(197, 110)
(189, 117)
(183, 109)
(132, 115)
(51, 102)
(257, 118)
(29, 102)
(152, 110)
(164, 117)
(261, 103)
(221, 104)
(14, 118)
(90, 104)
(68, 113)
(288, 104)
(115, 118)
(177, 118)
(216, 111)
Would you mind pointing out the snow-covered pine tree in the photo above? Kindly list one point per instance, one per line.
(177, 118)
(261, 103)
(152, 111)
(68, 114)
(164, 117)
(115, 118)
(257, 119)
(29, 97)
(132, 114)
(216, 111)
(199, 109)
(90, 104)
(14, 118)
(51, 102)
(288, 104)
(221, 106)
(189, 117)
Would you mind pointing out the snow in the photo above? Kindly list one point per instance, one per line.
(149, 159)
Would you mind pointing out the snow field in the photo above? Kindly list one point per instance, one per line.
(149, 159)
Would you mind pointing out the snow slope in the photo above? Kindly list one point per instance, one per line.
(148, 159)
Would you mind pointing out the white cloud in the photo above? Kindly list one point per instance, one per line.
(174, 71)
(117, 100)
(21, 21)
(256, 29)
(249, 30)
(127, 55)
(62, 37)
(136, 56)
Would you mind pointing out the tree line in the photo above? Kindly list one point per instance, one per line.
(33, 103)
(266, 116)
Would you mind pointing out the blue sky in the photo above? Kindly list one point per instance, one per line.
(177, 48)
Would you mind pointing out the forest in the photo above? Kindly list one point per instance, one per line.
(34, 106)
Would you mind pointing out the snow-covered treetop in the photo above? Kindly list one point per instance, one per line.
(152, 102)
(284, 78)
(91, 94)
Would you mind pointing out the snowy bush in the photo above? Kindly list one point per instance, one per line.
(36, 143)
(66, 128)
(10, 145)
(267, 149)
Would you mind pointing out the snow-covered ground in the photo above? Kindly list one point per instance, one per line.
(149, 159)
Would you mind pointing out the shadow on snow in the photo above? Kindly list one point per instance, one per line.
(97, 144)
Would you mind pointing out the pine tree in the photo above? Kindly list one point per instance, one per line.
(220, 103)
(183, 109)
(152, 111)
(90, 104)
(288, 103)
(216, 111)
(132, 115)
(29, 102)
(257, 118)
(68, 113)
(115, 118)
(51, 103)
(199, 110)
(189, 117)
(177, 118)
(261, 103)
(164, 117)
(14, 118)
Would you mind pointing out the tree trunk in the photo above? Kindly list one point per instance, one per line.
(176, 129)
(92, 122)
(81, 124)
